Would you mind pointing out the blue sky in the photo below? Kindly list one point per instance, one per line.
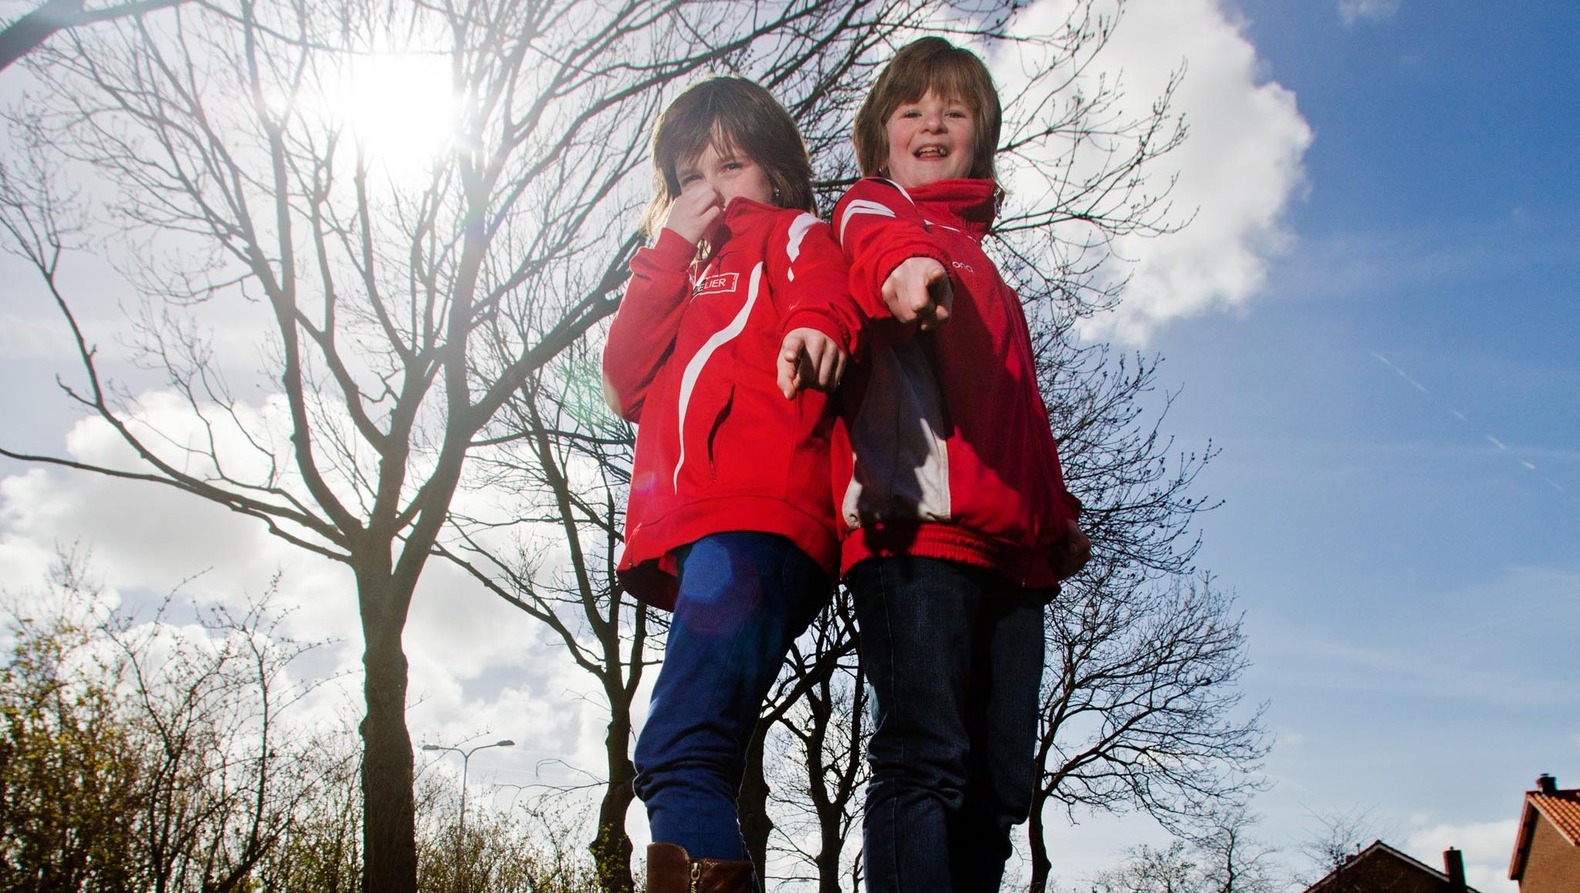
(1377, 329)
(1411, 587)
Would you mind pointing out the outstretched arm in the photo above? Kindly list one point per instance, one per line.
(898, 270)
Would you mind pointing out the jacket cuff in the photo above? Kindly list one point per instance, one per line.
(672, 251)
(822, 322)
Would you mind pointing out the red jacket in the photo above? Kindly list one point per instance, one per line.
(691, 358)
(953, 457)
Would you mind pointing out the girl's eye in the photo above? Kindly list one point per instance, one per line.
(689, 178)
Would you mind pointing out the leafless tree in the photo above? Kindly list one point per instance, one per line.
(568, 461)
(223, 779)
(1234, 857)
(1223, 857)
(1337, 836)
(1140, 706)
(1151, 870)
(815, 728)
(400, 312)
(29, 31)
(413, 320)
(1140, 711)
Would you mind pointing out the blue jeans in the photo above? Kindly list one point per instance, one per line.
(744, 598)
(954, 656)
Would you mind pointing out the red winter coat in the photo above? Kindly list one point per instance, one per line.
(953, 455)
(691, 358)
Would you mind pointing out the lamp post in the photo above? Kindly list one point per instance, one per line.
(466, 763)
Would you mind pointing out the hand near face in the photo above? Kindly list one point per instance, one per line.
(694, 213)
(809, 359)
(918, 291)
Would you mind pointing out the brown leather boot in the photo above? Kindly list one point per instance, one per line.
(670, 869)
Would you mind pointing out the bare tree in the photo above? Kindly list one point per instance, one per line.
(400, 312)
(404, 313)
(1225, 857)
(223, 778)
(30, 30)
(1336, 837)
(570, 462)
(1140, 711)
(1235, 858)
(1140, 708)
(815, 726)
(1152, 870)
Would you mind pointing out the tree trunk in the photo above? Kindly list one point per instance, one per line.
(389, 836)
(1041, 865)
(752, 803)
(828, 856)
(612, 848)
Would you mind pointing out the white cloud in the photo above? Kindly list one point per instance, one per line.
(1353, 11)
(1485, 846)
(478, 666)
(24, 336)
(1236, 172)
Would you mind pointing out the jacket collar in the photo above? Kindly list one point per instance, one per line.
(743, 214)
(972, 202)
(742, 211)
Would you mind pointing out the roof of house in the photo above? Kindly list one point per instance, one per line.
(1376, 852)
(1561, 809)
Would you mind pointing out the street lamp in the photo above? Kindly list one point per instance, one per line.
(466, 763)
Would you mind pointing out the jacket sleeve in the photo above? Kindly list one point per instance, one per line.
(879, 228)
(645, 327)
(809, 269)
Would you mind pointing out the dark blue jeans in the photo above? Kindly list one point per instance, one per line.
(954, 656)
(744, 598)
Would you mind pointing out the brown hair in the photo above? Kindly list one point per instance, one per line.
(953, 73)
(732, 115)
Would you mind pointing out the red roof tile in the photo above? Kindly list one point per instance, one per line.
(1562, 808)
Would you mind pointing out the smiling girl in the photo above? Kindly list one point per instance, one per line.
(960, 526)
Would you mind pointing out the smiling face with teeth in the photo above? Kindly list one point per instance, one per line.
(930, 139)
(906, 131)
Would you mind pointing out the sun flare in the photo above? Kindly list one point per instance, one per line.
(401, 107)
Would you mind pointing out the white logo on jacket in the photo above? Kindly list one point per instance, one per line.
(859, 207)
(716, 283)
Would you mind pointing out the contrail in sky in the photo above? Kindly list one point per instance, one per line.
(1502, 447)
